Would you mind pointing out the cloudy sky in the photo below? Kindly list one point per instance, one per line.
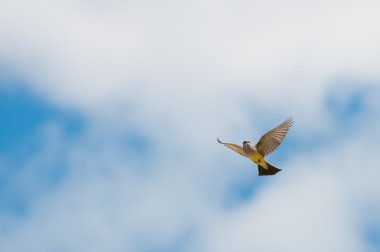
(110, 110)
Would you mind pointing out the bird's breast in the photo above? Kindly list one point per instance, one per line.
(258, 159)
(254, 156)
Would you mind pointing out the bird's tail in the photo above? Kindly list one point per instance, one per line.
(270, 171)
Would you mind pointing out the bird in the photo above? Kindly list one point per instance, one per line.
(266, 145)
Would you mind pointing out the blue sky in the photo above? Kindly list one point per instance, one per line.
(25, 115)
(110, 112)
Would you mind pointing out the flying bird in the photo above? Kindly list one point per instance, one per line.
(266, 145)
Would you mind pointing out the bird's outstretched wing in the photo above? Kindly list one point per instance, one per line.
(272, 139)
(234, 147)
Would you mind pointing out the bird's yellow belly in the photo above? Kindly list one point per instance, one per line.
(258, 159)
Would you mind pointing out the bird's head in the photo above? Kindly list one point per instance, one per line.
(246, 142)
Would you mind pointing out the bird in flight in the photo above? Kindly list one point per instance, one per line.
(266, 145)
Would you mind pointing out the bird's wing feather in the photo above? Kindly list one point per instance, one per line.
(234, 147)
(273, 138)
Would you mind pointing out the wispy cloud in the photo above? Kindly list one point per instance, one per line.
(125, 101)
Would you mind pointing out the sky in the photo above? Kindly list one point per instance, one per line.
(110, 110)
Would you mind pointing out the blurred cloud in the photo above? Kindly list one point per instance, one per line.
(108, 143)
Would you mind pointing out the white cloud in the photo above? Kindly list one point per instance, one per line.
(87, 55)
(183, 74)
(307, 212)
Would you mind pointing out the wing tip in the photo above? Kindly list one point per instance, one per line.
(289, 120)
(217, 139)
